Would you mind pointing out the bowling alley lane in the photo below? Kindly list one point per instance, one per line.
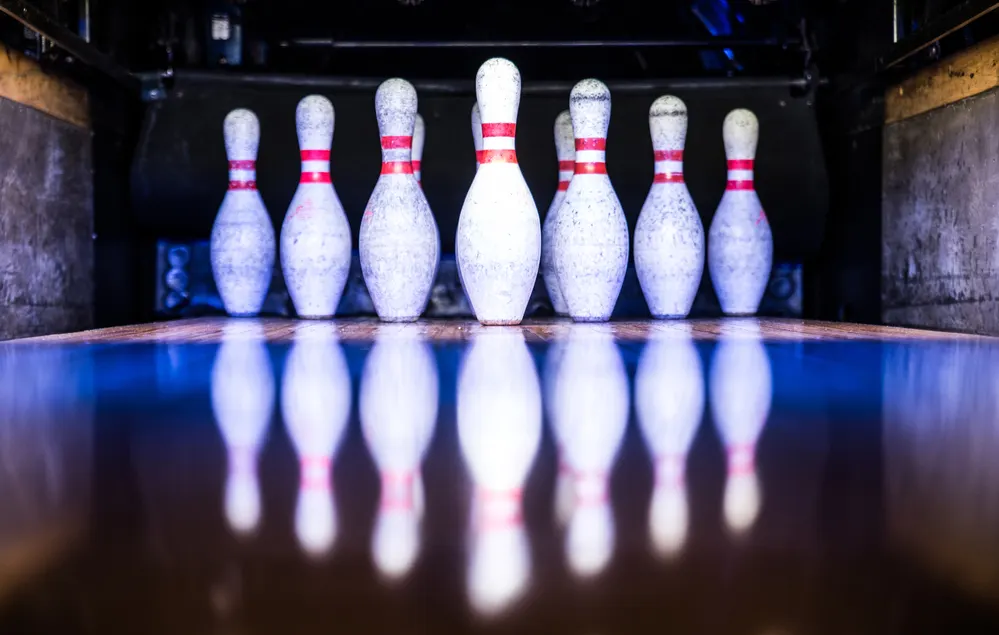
(725, 476)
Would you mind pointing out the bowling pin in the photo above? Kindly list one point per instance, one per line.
(477, 134)
(398, 241)
(566, 152)
(315, 404)
(419, 136)
(740, 245)
(669, 237)
(498, 246)
(315, 237)
(242, 392)
(590, 240)
(242, 242)
(499, 431)
(669, 403)
(591, 407)
(398, 404)
(740, 393)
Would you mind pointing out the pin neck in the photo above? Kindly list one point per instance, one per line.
(243, 175)
(741, 459)
(565, 170)
(315, 166)
(740, 174)
(591, 155)
(590, 487)
(669, 166)
(498, 509)
(670, 470)
(315, 473)
(397, 491)
(498, 143)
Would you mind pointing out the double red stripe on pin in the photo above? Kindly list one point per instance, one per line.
(396, 143)
(397, 167)
(591, 143)
(499, 130)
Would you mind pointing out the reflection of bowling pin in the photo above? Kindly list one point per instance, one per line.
(242, 400)
(499, 429)
(398, 404)
(669, 402)
(563, 481)
(315, 403)
(315, 237)
(740, 394)
(498, 244)
(591, 408)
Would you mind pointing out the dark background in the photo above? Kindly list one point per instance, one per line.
(813, 71)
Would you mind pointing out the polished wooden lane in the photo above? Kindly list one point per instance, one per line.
(365, 329)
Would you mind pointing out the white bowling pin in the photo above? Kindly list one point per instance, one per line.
(315, 404)
(499, 431)
(669, 237)
(398, 404)
(669, 403)
(242, 390)
(565, 150)
(590, 240)
(498, 246)
(740, 245)
(477, 134)
(419, 136)
(398, 241)
(740, 392)
(242, 242)
(315, 237)
(591, 407)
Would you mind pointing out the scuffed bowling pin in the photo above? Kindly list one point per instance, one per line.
(499, 431)
(591, 409)
(398, 404)
(566, 153)
(419, 136)
(477, 134)
(498, 246)
(315, 404)
(669, 403)
(669, 237)
(315, 237)
(740, 392)
(398, 239)
(590, 242)
(242, 242)
(740, 245)
(242, 389)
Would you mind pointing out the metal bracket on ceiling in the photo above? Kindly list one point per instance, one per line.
(38, 21)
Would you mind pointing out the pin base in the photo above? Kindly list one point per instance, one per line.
(398, 319)
(315, 317)
(245, 315)
(499, 322)
(670, 316)
(590, 319)
(746, 314)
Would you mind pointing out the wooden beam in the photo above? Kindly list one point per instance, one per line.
(23, 81)
(965, 74)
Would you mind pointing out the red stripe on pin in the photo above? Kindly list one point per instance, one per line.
(498, 156)
(397, 167)
(591, 168)
(242, 165)
(315, 177)
(591, 143)
(565, 166)
(668, 177)
(499, 130)
(396, 143)
(739, 186)
(242, 185)
(563, 186)
(416, 166)
(740, 164)
(478, 156)
(315, 155)
(669, 155)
